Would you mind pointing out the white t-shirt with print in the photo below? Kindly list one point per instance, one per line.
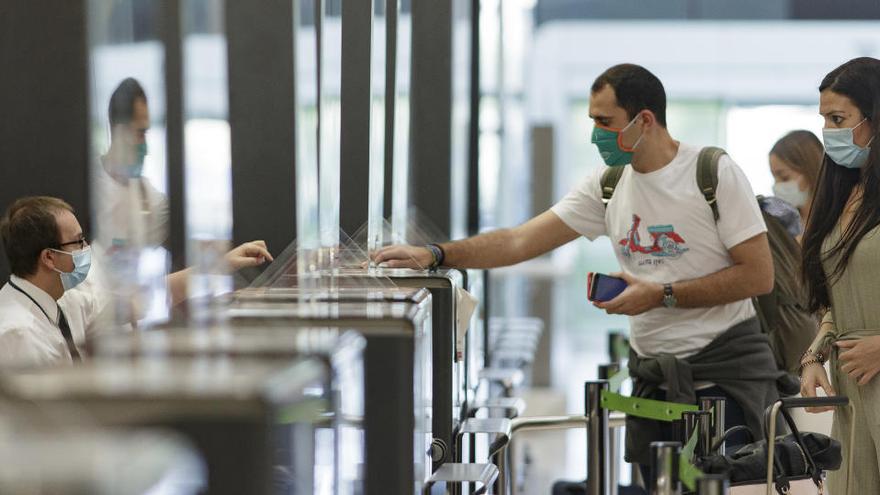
(662, 230)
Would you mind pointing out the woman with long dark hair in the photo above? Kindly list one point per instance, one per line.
(841, 266)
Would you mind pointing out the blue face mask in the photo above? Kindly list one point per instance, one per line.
(82, 261)
(839, 146)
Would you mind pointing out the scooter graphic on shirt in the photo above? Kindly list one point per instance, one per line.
(666, 242)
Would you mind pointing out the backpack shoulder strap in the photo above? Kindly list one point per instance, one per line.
(609, 181)
(707, 175)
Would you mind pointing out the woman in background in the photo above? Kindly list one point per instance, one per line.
(795, 161)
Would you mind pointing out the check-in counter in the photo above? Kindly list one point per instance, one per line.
(77, 461)
(339, 437)
(397, 374)
(450, 374)
(241, 414)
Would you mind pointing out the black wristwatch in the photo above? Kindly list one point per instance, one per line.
(669, 299)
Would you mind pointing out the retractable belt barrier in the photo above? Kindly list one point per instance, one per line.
(659, 410)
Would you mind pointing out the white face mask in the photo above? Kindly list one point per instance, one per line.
(791, 193)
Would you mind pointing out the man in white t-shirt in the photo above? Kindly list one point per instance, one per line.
(690, 278)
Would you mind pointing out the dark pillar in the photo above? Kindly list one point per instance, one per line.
(356, 100)
(44, 128)
(262, 114)
(431, 111)
(172, 35)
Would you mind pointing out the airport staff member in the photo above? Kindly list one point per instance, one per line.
(693, 327)
(44, 318)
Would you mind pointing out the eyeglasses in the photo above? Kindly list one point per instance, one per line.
(81, 243)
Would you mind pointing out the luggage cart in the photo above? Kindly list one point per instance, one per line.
(800, 485)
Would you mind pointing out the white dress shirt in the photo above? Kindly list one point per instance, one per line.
(29, 331)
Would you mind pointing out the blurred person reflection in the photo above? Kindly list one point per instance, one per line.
(128, 207)
(47, 308)
(795, 161)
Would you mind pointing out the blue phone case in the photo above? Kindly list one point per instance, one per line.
(607, 287)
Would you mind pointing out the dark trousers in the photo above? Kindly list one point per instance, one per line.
(733, 416)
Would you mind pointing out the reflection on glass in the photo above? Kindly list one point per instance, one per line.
(128, 169)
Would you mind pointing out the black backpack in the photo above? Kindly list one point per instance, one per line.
(789, 326)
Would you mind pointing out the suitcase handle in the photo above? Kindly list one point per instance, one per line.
(801, 402)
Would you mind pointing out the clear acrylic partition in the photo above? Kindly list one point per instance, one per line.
(420, 229)
(366, 242)
(330, 108)
(309, 146)
(400, 179)
(348, 269)
(207, 156)
(461, 82)
(376, 193)
(127, 135)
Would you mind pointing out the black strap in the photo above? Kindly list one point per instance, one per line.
(62, 324)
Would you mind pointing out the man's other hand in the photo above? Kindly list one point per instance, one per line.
(639, 297)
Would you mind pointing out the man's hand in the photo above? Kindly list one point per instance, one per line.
(639, 297)
(860, 358)
(403, 256)
(252, 253)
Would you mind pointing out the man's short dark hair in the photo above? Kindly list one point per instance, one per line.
(28, 227)
(636, 89)
(121, 107)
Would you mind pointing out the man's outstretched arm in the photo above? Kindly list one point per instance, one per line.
(501, 247)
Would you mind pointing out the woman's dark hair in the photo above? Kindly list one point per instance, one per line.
(858, 80)
(636, 89)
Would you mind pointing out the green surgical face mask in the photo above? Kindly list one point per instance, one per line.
(136, 169)
(613, 153)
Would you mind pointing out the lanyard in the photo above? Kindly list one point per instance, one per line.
(62, 324)
(33, 301)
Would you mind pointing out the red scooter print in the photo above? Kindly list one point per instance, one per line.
(666, 242)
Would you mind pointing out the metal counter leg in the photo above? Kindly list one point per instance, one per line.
(597, 438)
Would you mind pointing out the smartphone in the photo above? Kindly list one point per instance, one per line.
(602, 288)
